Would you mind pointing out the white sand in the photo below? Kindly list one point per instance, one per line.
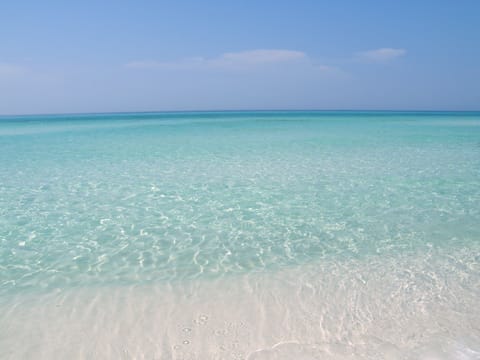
(370, 309)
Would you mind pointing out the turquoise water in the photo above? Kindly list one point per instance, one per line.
(89, 200)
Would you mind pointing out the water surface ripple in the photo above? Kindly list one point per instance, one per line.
(141, 198)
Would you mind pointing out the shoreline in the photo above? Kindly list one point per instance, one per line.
(408, 308)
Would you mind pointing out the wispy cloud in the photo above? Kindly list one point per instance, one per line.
(11, 69)
(188, 63)
(241, 59)
(380, 55)
(261, 56)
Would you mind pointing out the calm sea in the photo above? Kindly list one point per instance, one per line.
(106, 201)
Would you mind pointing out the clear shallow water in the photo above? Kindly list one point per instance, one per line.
(252, 235)
(142, 198)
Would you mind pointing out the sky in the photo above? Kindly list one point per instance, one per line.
(115, 56)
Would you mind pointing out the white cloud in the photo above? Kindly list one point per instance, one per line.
(327, 68)
(380, 55)
(10, 69)
(261, 56)
(240, 59)
(180, 64)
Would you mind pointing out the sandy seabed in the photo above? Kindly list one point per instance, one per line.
(415, 307)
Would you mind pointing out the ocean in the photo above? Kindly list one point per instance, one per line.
(240, 235)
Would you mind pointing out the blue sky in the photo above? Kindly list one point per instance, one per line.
(101, 56)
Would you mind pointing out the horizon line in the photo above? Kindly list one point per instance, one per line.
(241, 111)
